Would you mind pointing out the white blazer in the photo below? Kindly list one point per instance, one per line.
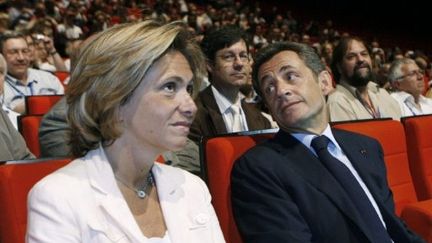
(81, 202)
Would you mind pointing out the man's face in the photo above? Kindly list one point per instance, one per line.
(412, 80)
(356, 65)
(16, 53)
(231, 66)
(293, 93)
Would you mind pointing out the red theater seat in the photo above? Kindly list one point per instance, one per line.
(40, 104)
(391, 135)
(28, 126)
(418, 131)
(218, 156)
(16, 180)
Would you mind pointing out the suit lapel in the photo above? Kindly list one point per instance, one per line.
(209, 101)
(181, 216)
(114, 217)
(306, 164)
(252, 114)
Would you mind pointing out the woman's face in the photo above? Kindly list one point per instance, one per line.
(161, 110)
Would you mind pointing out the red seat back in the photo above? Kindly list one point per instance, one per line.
(40, 104)
(419, 140)
(219, 155)
(391, 135)
(62, 76)
(16, 180)
(28, 126)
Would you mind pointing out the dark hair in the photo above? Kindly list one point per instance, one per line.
(10, 35)
(339, 53)
(221, 38)
(305, 52)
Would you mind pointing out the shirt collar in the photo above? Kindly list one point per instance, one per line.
(371, 86)
(223, 103)
(16, 81)
(306, 138)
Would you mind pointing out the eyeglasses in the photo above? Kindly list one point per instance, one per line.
(231, 57)
(413, 74)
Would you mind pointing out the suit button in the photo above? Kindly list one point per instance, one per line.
(201, 219)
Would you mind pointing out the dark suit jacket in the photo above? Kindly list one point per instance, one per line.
(282, 193)
(209, 121)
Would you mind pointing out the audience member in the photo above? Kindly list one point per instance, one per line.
(220, 107)
(22, 80)
(310, 183)
(407, 80)
(129, 75)
(13, 116)
(46, 56)
(12, 144)
(356, 96)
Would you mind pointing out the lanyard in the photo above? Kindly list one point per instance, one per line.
(20, 93)
(372, 111)
(410, 107)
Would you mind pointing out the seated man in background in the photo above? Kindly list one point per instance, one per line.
(356, 97)
(12, 144)
(407, 80)
(13, 116)
(22, 80)
(310, 183)
(220, 105)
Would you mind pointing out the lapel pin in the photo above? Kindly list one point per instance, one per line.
(363, 151)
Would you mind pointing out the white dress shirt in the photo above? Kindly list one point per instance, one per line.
(224, 107)
(407, 104)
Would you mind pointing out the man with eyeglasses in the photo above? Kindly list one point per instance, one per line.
(356, 97)
(22, 80)
(408, 80)
(220, 106)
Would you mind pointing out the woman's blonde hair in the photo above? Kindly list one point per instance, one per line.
(108, 70)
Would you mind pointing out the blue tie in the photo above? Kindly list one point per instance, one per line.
(351, 186)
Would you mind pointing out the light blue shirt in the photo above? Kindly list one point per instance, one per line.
(337, 152)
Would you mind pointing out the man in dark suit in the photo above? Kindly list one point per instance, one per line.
(286, 189)
(228, 66)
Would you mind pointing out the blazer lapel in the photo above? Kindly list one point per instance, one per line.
(305, 163)
(171, 197)
(114, 217)
(254, 119)
(209, 101)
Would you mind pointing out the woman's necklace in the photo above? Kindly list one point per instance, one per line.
(140, 190)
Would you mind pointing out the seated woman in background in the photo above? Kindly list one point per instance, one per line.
(129, 100)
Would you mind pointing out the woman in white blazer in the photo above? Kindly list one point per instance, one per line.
(129, 101)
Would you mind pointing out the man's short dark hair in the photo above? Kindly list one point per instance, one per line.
(10, 35)
(305, 52)
(222, 38)
(339, 53)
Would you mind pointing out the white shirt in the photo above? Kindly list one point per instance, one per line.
(337, 152)
(407, 104)
(38, 83)
(224, 107)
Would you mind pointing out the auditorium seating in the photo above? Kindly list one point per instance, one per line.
(391, 135)
(16, 180)
(28, 126)
(62, 76)
(40, 104)
(418, 131)
(217, 158)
